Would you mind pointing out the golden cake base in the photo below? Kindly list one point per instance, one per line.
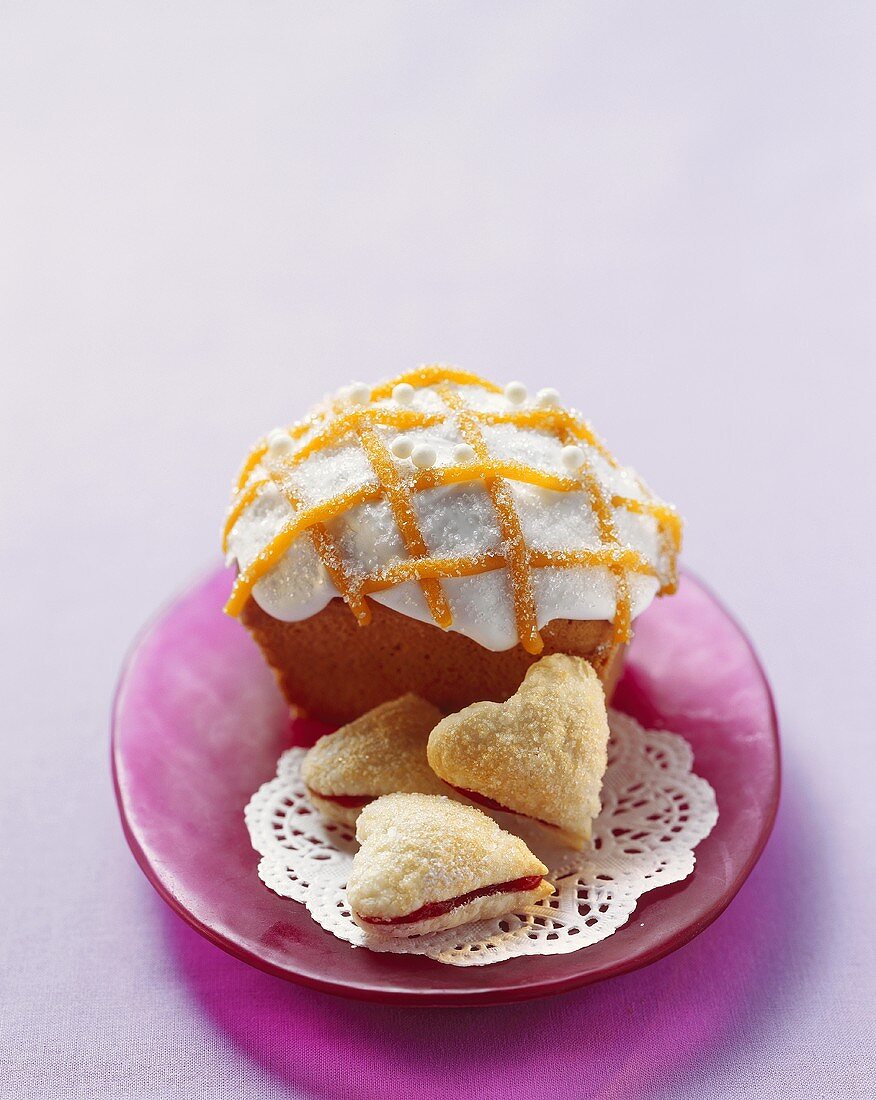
(334, 670)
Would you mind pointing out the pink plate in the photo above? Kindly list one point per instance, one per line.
(199, 724)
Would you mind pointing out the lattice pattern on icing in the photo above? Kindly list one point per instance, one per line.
(400, 485)
(655, 812)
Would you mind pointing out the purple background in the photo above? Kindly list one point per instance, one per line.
(214, 211)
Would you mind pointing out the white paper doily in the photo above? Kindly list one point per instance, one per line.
(654, 813)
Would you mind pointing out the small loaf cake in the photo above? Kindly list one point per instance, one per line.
(437, 534)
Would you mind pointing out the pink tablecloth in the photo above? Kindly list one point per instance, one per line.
(215, 211)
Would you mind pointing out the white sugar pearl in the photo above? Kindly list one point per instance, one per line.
(547, 397)
(572, 458)
(402, 446)
(279, 444)
(516, 393)
(423, 456)
(403, 393)
(358, 393)
(464, 453)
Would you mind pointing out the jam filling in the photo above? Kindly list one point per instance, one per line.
(491, 804)
(351, 800)
(434, 909)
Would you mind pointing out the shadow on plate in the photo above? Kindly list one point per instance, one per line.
(638, 1035)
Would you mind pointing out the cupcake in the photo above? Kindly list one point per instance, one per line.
(437, 534)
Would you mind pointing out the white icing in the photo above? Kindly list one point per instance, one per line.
(456, 521)
(367, 538)
(555, 521)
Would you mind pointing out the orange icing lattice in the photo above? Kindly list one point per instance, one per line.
(335, 424)
(396, 492)
(516, 550)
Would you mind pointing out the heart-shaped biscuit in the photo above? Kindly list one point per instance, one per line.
(427, 863)
(381, 752)
(542, 753)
